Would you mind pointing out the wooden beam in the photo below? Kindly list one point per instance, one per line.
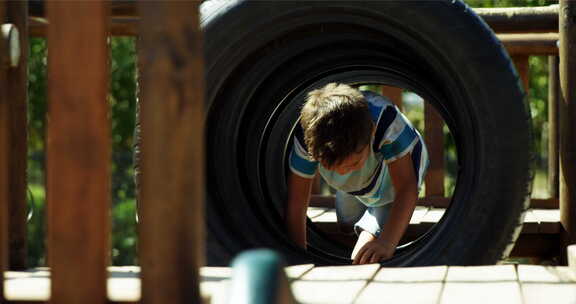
(125, 19)
(78, 151)
(17, 89)
(172, 162)
(521, 19)
(117, 26)
(394, 94)
(553, 140)
(530, 44)
(434, 139)
(4, 154)
(568, 117)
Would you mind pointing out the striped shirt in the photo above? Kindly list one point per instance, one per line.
(394, 137)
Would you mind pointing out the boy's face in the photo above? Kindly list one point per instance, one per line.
(353, 162)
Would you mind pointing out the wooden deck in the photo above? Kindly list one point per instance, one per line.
(355, 284)
(539, 237)
(545, 221)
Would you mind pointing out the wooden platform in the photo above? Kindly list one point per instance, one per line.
(355, 284)
(539, 238)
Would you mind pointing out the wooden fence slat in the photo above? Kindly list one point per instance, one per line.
(78, 151)
(553, 140)
(567, 112)
(17, 89)
(434, 139)
(4, 150)
(172, 161)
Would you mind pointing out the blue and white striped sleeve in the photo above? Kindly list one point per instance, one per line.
(395, 134)
(301, 163)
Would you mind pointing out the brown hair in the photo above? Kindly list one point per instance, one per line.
(336, 123)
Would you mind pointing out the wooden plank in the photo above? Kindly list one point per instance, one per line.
(421, 293)
(315, 212)
(545, 274)
(215, 273)
(549, 203)
(531, 222)
(481, 273)
(342, 273)
(78, 151)
(530, 44)
(549, 220)
(434, 138)
(433, 216)
(327, 292)
(481, 293)
(549, 293)
(17, 89)
(411, 274)
(553, 140)
(567, 111)
(328, 216)
(297, 271)
(418, 214)
(172, 115)
(4, 168)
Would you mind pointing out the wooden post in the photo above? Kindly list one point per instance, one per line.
(567, 111)
(172, 161)
(553, 100)
(434, 139)
(394, 94)
(17, 89)
(78, 151)
(523, 68)
(4, 152)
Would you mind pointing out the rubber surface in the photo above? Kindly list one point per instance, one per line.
(263, 56)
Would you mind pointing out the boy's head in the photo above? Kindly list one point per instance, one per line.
(337, 127)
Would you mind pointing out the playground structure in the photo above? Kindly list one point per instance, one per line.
(171, 251)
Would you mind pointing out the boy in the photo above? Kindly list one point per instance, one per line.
(365, 148)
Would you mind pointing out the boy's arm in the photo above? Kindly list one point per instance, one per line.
(406, 190)
(298, 197)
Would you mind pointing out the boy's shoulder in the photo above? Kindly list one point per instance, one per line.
(376, 104)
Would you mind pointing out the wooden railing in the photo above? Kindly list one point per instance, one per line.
(78, 150)
(170, 227)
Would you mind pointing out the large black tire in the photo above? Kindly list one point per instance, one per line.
(263, 56)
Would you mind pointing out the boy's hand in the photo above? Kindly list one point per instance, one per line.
(374, 251)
